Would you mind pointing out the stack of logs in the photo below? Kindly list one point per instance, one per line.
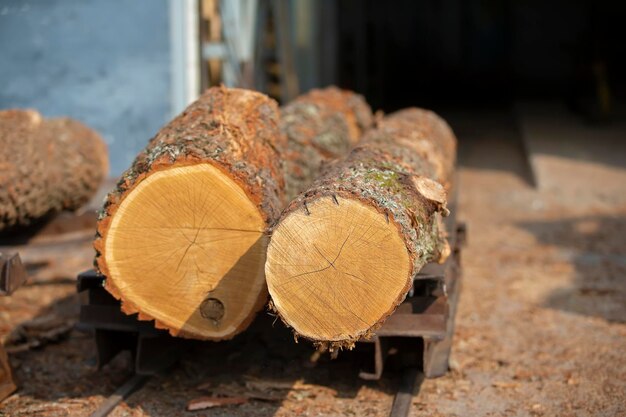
(46, 166)
(315, 204)
(183, 237)
(330, 211)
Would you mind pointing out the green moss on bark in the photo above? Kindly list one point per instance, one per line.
(407, 149)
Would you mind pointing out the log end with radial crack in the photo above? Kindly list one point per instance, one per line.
(182, 238)
(344, 252)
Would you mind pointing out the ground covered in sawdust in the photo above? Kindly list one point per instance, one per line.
(541, 325)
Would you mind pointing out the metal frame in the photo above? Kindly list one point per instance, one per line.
(421, 329)
(12, 273)
(418, 334)
(153, 350)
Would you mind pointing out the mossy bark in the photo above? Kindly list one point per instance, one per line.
(46, 166)
(398, 168)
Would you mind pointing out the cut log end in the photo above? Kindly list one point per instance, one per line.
(186, 247)
(337, 270)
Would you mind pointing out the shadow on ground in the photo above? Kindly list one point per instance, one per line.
(551, 129)
(596, 247)
(266, 353)
(61, 375)
(52, 363)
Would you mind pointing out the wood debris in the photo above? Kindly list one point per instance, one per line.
(38, 332)
(202, 403)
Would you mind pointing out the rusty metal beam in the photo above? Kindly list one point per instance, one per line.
(12, 273)
(153, 350)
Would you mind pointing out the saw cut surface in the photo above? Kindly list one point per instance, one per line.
(334, 273)
(187, 248)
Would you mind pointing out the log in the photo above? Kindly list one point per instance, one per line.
(46, 166)
(182, 239)
(343, 254)
(320, 126)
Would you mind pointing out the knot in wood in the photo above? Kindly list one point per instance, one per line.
(212, 309)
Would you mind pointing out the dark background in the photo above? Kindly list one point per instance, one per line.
(482, 52)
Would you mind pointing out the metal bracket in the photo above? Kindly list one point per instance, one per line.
(153, 350)
(427, 313)
(12, 273)
(12, 276)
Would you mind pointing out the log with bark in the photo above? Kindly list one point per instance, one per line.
(320, 126)
(343, 254)
(46, 166)
(182, 239)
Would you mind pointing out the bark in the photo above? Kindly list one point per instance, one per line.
(314, 128)
(46, 166)
(320, 126)
(397, 168)
(235, 130)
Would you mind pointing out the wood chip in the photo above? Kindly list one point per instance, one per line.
(504, 384)
(235, 390)
(38, 332)
(202, 403)
(298, 385)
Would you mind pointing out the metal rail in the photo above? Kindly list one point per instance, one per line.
(410, 384)
(120, 394)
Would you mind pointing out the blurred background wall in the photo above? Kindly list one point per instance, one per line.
(105, 63)
(125, 67)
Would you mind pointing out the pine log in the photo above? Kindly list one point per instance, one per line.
(343, 254)
(46, 166)
(182, 239)
(320, 126)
